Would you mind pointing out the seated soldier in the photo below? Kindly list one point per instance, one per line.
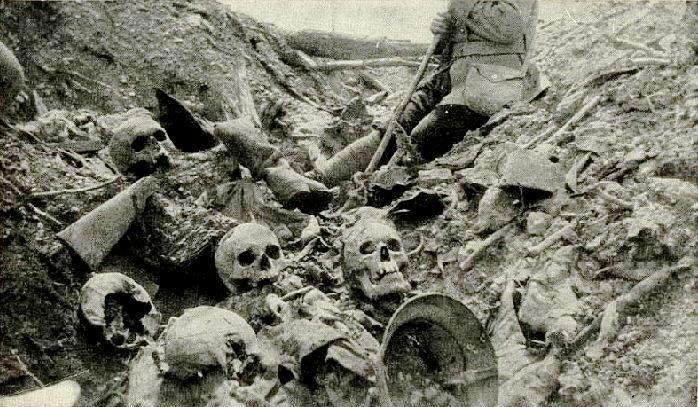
(485, 46)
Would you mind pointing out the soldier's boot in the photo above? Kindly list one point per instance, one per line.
(443, 127)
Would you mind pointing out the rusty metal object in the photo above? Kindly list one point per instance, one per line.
(439, 341)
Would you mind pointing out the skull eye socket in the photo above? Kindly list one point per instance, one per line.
(138, 144)
(273, 252)
(367, 248)
(394, 245)
(246, 258)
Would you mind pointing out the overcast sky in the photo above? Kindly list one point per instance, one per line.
(395, 19)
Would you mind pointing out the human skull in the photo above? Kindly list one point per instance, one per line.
(120, 308)
(135, 147)
(207, 338)
(373, 257)
(199, 359)
(248, 254)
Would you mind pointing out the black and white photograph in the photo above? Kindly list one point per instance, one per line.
(348, 203)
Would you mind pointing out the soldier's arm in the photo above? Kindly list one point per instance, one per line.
(498, 21)
(441, 26)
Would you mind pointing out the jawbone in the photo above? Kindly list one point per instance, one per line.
(392, 283)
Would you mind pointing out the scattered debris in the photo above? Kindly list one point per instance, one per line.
(496, 209)
(527, 169)
(562, 259)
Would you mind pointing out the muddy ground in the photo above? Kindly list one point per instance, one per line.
(629, 205)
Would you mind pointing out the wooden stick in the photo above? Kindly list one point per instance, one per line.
(364, 63)
(612, 199)
(632, 297)
(591, 104)
(401, 107)
(537, 139)
(552, 239)
(71, 191)
(469, 261)
(46, 216)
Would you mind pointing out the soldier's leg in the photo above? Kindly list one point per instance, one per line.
(428, 94)
(443, 127)
(357, 155)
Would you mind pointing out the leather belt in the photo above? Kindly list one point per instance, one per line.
(462, 49)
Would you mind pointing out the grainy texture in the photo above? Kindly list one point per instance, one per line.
(627, 210)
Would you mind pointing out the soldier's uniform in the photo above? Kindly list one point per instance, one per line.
(484, 67)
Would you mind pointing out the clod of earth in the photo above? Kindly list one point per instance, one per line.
(530, 170)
